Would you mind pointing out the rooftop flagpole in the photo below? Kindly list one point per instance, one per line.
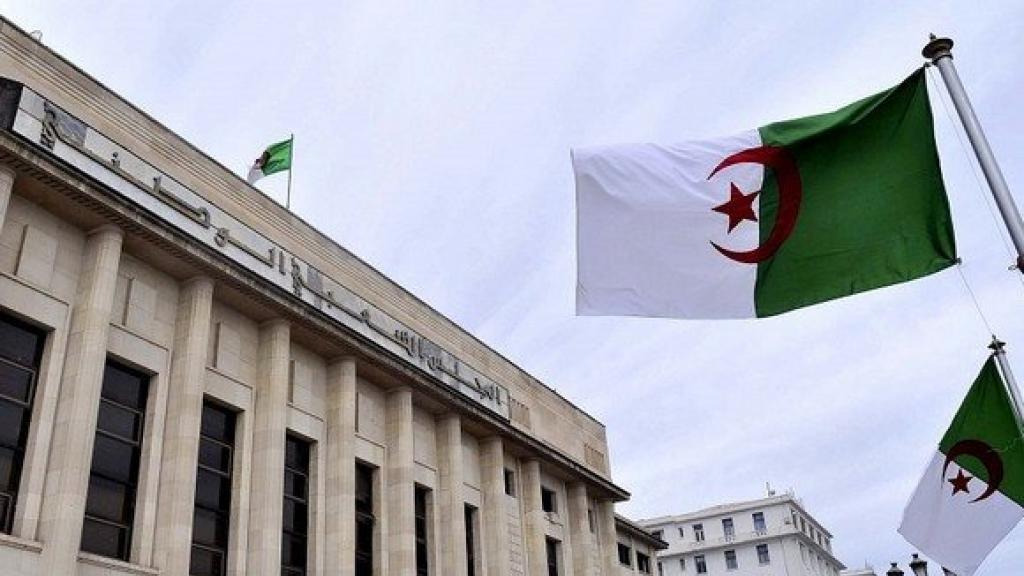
(998, 348)
(938, 50)
(291, 160)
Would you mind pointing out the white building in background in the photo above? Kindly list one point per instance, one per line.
(773, 536)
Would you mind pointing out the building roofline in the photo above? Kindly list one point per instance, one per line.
(636, 530)
(732, 507)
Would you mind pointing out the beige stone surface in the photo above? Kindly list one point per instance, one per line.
(495, 522)
(270, 421)
(401, 549)
(450, 503)
(534, 519)
(340, 477)
(78, 403)
(181, 430)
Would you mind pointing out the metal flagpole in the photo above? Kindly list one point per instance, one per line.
(998, 348)
(938, 50)
(291, 160)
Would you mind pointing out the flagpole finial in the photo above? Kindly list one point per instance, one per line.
(937, 48)
(997, 345)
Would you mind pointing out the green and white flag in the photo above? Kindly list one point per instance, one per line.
(767, 221)
(972, 492)
(276, 158)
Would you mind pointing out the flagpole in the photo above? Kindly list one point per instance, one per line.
(938, 50)
(998, 348)
(291, 160)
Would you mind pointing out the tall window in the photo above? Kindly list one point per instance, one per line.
(470, 516)
(698, 532)
(551, 547)
(422, 545)
(643, 563)
(211, 522)
(728, 529)
(762, 555)
(625, 555)
(548, 502)
(701, 566)
(295, 519)
(364, 520)
(759, 525)
(682, 532)
(658, 534)
(682, 563)
(114, 477)
(510, 482)
(21, 348)
(730, 560)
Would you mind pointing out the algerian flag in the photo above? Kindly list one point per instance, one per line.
(276, 158)
(788, 215)
(972, 492)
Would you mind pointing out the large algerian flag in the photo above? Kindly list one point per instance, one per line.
(276, 158)
(972, 492)
(788, 215)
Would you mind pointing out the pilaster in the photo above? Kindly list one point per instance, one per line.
(608, 542)
(340, 500)
(451, 505)
(184, 415)
(67, 481)
(496, 537)
(401, 492)
(534, 518)
(579, 531)
(270, 420)
(6, 186)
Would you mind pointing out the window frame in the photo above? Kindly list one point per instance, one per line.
(226, 443)
(365, 516)
(732, 562)
(628, 559)
(128, 488)
(297, 500)
(700, 564)
(766, 559)
(548, 500)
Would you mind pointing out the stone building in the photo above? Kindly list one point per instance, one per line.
(194, 380)
(772, 536)
(636, 548)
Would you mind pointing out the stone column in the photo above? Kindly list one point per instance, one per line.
(496, 547)
(184, 414)
(535, 520)
(579, 531)
(67, 480)
(270, 419)
(401, 505)
(6, 186)
(340, 499)
(451, 504)
(609, 541)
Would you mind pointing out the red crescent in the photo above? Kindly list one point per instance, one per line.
(790, 194)
(986, 455)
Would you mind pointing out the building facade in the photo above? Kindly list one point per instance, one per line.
(637, 548)
(195, 381)
(773, 536)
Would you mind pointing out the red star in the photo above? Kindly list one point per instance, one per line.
(740, 207)
(960, 482)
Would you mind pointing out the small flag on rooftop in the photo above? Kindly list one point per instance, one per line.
(972, 492)
(276, 158)
(788, 215)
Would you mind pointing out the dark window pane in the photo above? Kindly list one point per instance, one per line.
(215, 455)
(212, 490)
(296, 454)
(218, 424)
(120, 421)
(19, 342)
(13, 425)
(209, 528)
(206, 562)
(115, 459)
(295, 517)
(15, 382)
(6, 512)
(295, 485)
(124, 386)
(10, 464)
(105, 539)
(109, 500)
(293, 551)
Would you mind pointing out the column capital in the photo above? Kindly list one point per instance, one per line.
(7, 173)
(275, 323)
(198, 282)
(106, 229)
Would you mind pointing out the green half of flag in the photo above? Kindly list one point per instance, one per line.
(277, 158)
(874, 210)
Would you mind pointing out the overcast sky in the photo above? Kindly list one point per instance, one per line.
(432, 140)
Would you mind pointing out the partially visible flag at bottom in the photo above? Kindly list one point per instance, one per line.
(276, 158)
(972, 493)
